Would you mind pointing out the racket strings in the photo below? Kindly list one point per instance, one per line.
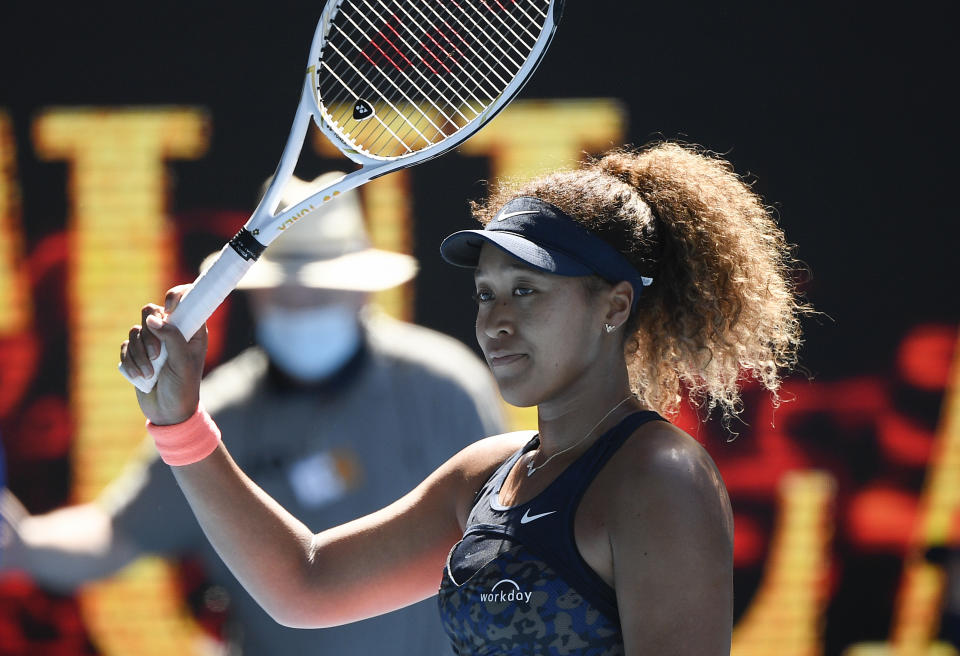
(474, 55)
(473, 83)
(394, 54)
(414, 123)
(493, 28)
(386, 127)
(450, 87)
(399, 89)
(474, 111)
(397, 76)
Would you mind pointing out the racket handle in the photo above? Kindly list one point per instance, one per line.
(205, 296)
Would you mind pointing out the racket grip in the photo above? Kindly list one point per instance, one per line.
(196, 306)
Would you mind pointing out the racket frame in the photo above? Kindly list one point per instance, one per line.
(264, 219)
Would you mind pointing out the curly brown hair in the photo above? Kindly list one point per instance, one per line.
(722, 305)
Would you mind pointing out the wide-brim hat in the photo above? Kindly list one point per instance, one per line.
(326, 249)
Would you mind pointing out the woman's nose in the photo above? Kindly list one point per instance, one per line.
(498, 320)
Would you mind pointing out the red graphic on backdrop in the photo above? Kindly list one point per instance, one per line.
(430, 37)
(396, 46)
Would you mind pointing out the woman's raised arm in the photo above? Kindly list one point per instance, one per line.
(375, 564)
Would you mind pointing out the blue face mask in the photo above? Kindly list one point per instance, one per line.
(309, 344)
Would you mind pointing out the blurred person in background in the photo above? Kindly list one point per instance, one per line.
(322, 353)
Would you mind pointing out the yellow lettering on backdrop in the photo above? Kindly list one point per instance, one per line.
(916, 620)
(887, 649)
(387, 201)
(15, 307)
(120, 256)
(785, 616)
(531, 137)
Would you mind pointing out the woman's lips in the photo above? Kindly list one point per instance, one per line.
(505, 359)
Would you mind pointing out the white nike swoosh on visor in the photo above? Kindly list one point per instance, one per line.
(527, 517)
(504, 217)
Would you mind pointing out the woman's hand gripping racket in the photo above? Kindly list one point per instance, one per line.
(391, 83)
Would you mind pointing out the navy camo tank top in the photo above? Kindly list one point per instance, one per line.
(516, 585)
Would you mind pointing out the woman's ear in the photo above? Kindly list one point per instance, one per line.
(619, 304)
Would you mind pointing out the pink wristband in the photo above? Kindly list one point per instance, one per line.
(187, 442)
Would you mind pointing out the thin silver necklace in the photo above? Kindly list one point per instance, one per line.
(531, 469)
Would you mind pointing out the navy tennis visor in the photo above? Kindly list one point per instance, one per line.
(544, 237)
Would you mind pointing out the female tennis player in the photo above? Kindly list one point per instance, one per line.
(604, 295)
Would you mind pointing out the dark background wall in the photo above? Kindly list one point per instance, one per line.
(841, 114)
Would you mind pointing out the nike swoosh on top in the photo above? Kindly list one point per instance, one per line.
(504, 217)
(527, 517)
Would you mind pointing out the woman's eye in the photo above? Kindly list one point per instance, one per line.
(485, 295)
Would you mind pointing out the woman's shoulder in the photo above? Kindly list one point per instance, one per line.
(662, 474)
(481, 459)
(660, 448)
(470, 468)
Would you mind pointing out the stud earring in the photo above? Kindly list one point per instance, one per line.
(609, 327)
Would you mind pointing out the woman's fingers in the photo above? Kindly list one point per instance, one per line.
(150, 341)
(124, 361)
(172, 299)
(143, 344)
(193, 350)
(168, 333)
(133, 354)
(175, 394)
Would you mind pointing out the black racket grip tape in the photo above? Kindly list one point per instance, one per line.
(246, 245)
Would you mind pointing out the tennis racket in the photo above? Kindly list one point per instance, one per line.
(391, 83)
